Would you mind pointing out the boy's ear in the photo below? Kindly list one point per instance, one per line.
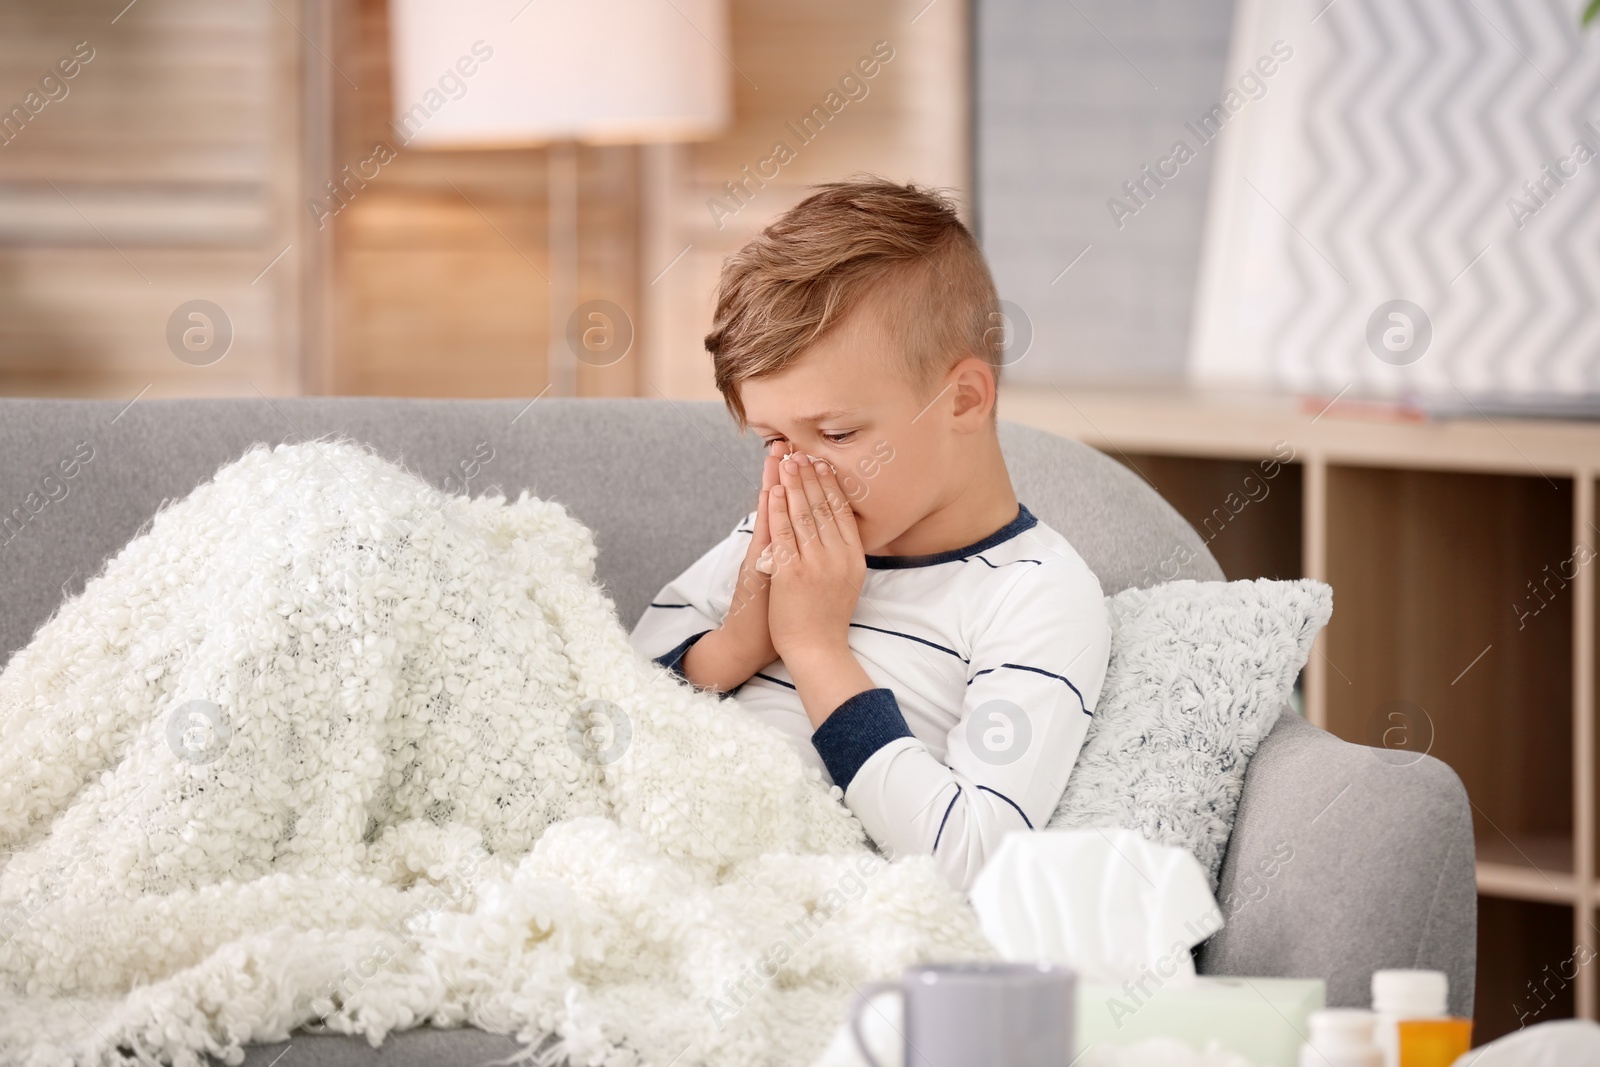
(974, 389)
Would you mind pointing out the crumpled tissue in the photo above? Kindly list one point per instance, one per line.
(1105, 902)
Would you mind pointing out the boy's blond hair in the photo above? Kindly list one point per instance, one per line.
(803, 274)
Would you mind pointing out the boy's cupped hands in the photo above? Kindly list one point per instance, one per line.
(798, 582)
(818, 563)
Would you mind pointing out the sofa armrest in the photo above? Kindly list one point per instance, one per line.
(1345, 860)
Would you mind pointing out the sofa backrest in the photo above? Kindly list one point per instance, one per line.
(658, 481)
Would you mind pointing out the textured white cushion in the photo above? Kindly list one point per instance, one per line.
(1198, 674)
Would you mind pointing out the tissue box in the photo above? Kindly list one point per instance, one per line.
(1262, 1019)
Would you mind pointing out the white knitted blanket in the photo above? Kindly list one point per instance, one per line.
(324, 747)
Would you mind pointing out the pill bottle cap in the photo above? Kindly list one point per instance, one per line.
(1340, 1025)
(1410, 994)
(1341, 1037)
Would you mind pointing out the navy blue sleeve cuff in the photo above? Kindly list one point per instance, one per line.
(856, 729)
(673, 660)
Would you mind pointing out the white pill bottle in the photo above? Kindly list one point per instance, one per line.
(1341, 1037)
(1398, 995)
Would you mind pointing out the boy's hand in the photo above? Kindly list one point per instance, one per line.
(745, 626)
(819, 562)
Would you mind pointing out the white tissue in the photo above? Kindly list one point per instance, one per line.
(1558, 1043)
(1107, 903)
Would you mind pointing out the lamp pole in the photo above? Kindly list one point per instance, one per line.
(561, 190)
(511, 74)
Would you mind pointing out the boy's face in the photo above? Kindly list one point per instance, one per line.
(893, 450)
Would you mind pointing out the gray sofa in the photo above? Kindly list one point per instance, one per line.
(1382, 868)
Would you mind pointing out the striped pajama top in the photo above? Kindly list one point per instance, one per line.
(986, 661)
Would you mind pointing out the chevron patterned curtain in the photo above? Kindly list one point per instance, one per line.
(1410, 207)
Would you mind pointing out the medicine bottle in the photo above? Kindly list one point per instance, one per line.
(1398, 995)
(1341, 1037)
(1434, 1042)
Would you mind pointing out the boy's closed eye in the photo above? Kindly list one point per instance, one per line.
(836, 438)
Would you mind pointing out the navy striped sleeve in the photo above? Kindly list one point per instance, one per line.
(856, 729)
(673, 661)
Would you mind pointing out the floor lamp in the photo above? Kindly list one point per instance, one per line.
(557, 74)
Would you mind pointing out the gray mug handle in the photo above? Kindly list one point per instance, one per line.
(863, 998)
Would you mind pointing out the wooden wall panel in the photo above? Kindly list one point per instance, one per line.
(439, 296)
(165, 173)
(189, 157)
(910, 126)
(441, 264)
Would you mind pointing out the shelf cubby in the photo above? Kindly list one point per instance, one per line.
(1438, 644)
(1247, 511)
(1534, 977)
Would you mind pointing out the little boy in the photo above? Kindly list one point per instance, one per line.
(889, 606)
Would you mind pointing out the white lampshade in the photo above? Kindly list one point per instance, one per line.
(598, 71)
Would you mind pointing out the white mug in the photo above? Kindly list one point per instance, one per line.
(981, 1014)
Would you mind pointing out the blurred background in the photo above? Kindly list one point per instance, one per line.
(373, 220)
(399, 197)
(1322, 271)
